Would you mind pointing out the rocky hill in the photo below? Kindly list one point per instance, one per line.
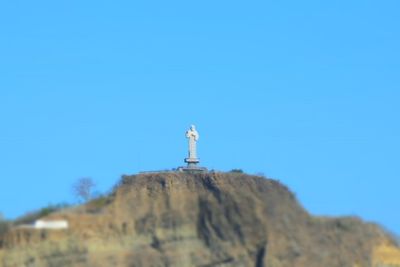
(209, 219)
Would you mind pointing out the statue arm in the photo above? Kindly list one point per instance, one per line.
(193, 134)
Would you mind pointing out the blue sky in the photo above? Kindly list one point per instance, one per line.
(306, 92)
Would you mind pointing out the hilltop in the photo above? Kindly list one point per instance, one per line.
(203, 219)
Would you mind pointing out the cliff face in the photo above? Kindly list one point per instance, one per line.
(180, 219)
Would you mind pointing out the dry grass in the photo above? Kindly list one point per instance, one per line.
(386, 255)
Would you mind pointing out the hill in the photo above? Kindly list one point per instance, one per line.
(204, 219)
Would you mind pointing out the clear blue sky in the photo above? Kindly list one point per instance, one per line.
(306, 92)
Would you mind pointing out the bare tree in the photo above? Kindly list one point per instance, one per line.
(83, 188)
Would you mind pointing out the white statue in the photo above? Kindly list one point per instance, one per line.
(193, 137)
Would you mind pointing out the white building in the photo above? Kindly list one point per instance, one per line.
(53, 225)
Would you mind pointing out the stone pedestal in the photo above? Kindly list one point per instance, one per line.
(192, 169)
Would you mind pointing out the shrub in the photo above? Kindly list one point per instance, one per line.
(96, 204)
(4, 226)
(237, 171)
(31, 217)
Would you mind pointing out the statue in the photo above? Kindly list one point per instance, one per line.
(193, 137)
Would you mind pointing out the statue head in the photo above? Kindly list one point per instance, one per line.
(193, 128)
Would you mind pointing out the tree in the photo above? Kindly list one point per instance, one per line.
(83, 189)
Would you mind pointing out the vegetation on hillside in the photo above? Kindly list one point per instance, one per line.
(4, 225)
(31, 217)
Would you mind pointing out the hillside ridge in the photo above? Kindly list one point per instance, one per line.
(199, 219)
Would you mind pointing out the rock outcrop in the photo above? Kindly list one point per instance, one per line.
(209, 219)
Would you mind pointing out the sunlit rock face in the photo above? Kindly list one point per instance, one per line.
(203, 219)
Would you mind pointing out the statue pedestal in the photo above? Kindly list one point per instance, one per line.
(192, 161)
(192, 169)
(192, 165)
